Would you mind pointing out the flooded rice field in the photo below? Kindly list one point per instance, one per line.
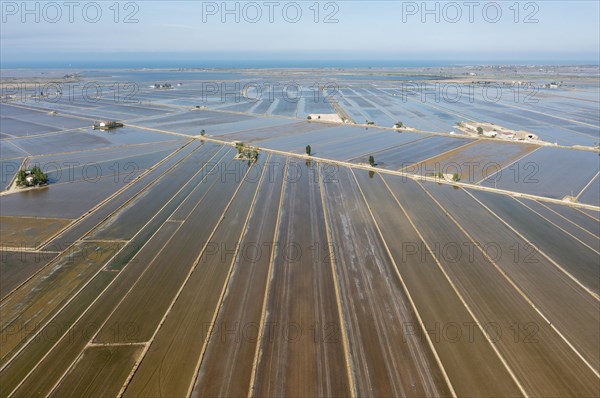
(67, 200)
(576, 259)
(476, 161)
(28, 232)
(550, 172)
(16, 266)
(166, 262)
(119, 163)
(9, 169)
(403, 156)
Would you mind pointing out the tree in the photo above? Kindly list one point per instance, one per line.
(371, 160)
(21, 175)
(308, 150)
(455, 177)
(398, 125)
(38, 176)
(240, 147)
(479, 130)
(309, 117)
(202, 132)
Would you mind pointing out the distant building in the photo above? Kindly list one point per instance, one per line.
(525, 135)
(107, 125)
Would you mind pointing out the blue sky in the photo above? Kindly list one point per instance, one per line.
(565, 31)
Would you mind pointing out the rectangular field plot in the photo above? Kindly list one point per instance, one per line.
(86, 110)
(17, 266)
(591, 194)
(256, 136)
(29, 306)
(366, 143)
(312, 361)
(472, 365)
(53, 122)
(595, 214)
(8, 170)
(85, 324)
(28, 232)
(340, 142)
(566, 304)
(492, 299)
(19, 128)
(169, 269)
(65, 142)
(170, 190)
(385, 362)
(226, 358)
(228, 123)
(117, 163)
(9, 151)
(100, 372)
(177, 347)
(219, 129)
(179, 121)
(578, 261)
(584, 236)
(89, 139)
(402, 156)
(285, 108)
(102, 212)
(68, 200)
(318, 105)
(297, 139)
(550, 172)
(476, 161)
(243, 106)
(131, 135)
(577, 216)
(263, 107)
(31, 122)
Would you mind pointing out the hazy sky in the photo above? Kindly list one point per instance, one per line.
(398, 30)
